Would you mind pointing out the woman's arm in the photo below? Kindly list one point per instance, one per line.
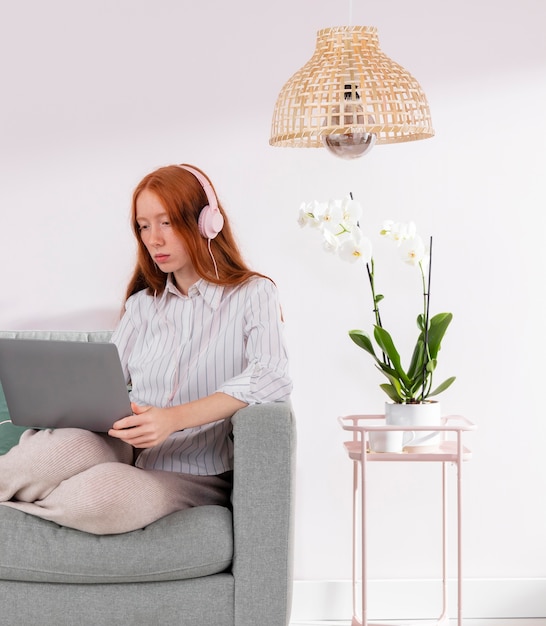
(150, 426)
(265, 378)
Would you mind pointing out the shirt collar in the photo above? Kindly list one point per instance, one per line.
(211, 293)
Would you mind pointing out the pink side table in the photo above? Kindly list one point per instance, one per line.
(450, 450)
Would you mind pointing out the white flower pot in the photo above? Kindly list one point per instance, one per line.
(426, 414)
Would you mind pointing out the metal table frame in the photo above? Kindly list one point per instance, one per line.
(450, 450)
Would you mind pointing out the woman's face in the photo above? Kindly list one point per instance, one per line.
(164, 245)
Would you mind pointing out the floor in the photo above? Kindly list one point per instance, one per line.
(467, 622)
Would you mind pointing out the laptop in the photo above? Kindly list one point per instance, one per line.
(63, 384)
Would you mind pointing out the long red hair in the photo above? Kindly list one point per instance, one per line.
(183, 198)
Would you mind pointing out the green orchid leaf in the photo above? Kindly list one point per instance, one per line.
(417, 386)
(421, 321)
(389, 372)
(417, 360)
(385, 342)
(447, 383)
(395, 380)
(363, 340)
(391, 392)
(401, 389)
(437, 329)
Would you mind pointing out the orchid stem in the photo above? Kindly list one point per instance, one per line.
(426, 294)
(371, 277)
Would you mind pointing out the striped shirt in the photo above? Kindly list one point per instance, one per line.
(176, 348)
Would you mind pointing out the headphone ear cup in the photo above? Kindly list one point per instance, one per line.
(210, 222)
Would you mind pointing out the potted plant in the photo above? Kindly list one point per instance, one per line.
(338, 222)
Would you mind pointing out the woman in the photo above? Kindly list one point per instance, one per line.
(201, 337)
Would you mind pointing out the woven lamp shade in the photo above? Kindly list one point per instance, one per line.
(350, 86)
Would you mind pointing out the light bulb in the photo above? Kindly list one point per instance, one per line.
(349, 145)
(357, 142)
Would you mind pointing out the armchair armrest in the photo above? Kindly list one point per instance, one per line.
(263, 510)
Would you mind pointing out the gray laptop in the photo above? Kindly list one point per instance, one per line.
(63, 384)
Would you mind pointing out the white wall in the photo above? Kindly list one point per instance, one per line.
(97, 94)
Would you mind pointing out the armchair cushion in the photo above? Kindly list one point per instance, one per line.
(187, 544)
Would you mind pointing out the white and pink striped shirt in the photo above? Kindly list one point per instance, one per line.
(177, 348)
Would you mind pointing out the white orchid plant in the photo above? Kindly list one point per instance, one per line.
(338, 221)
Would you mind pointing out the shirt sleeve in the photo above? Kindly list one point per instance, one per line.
(265, 378)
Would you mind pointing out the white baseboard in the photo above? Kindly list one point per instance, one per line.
(421, 599)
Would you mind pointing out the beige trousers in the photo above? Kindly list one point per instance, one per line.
(87, 481)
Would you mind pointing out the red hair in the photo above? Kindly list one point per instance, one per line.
(183, 198)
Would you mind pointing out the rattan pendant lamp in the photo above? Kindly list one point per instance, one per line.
(348, 97)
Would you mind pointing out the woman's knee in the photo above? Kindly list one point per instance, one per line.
(109, 498)
(69, 441)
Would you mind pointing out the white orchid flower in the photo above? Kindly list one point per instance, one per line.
(331, 229)
(331, 215)
(385, 229)
(351, 211)
(356, 249)
(355, 232)
(413, 251)
(308, 214)
(331, 242)
(399, 231)
(303, 217)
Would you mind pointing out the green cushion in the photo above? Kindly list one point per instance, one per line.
(9, 434)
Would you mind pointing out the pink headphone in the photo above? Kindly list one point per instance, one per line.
(211, 221)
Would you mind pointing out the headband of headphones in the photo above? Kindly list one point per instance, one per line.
(210, 221)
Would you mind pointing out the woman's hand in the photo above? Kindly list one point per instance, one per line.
(147, 427)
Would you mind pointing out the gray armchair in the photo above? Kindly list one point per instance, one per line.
(206, 566)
